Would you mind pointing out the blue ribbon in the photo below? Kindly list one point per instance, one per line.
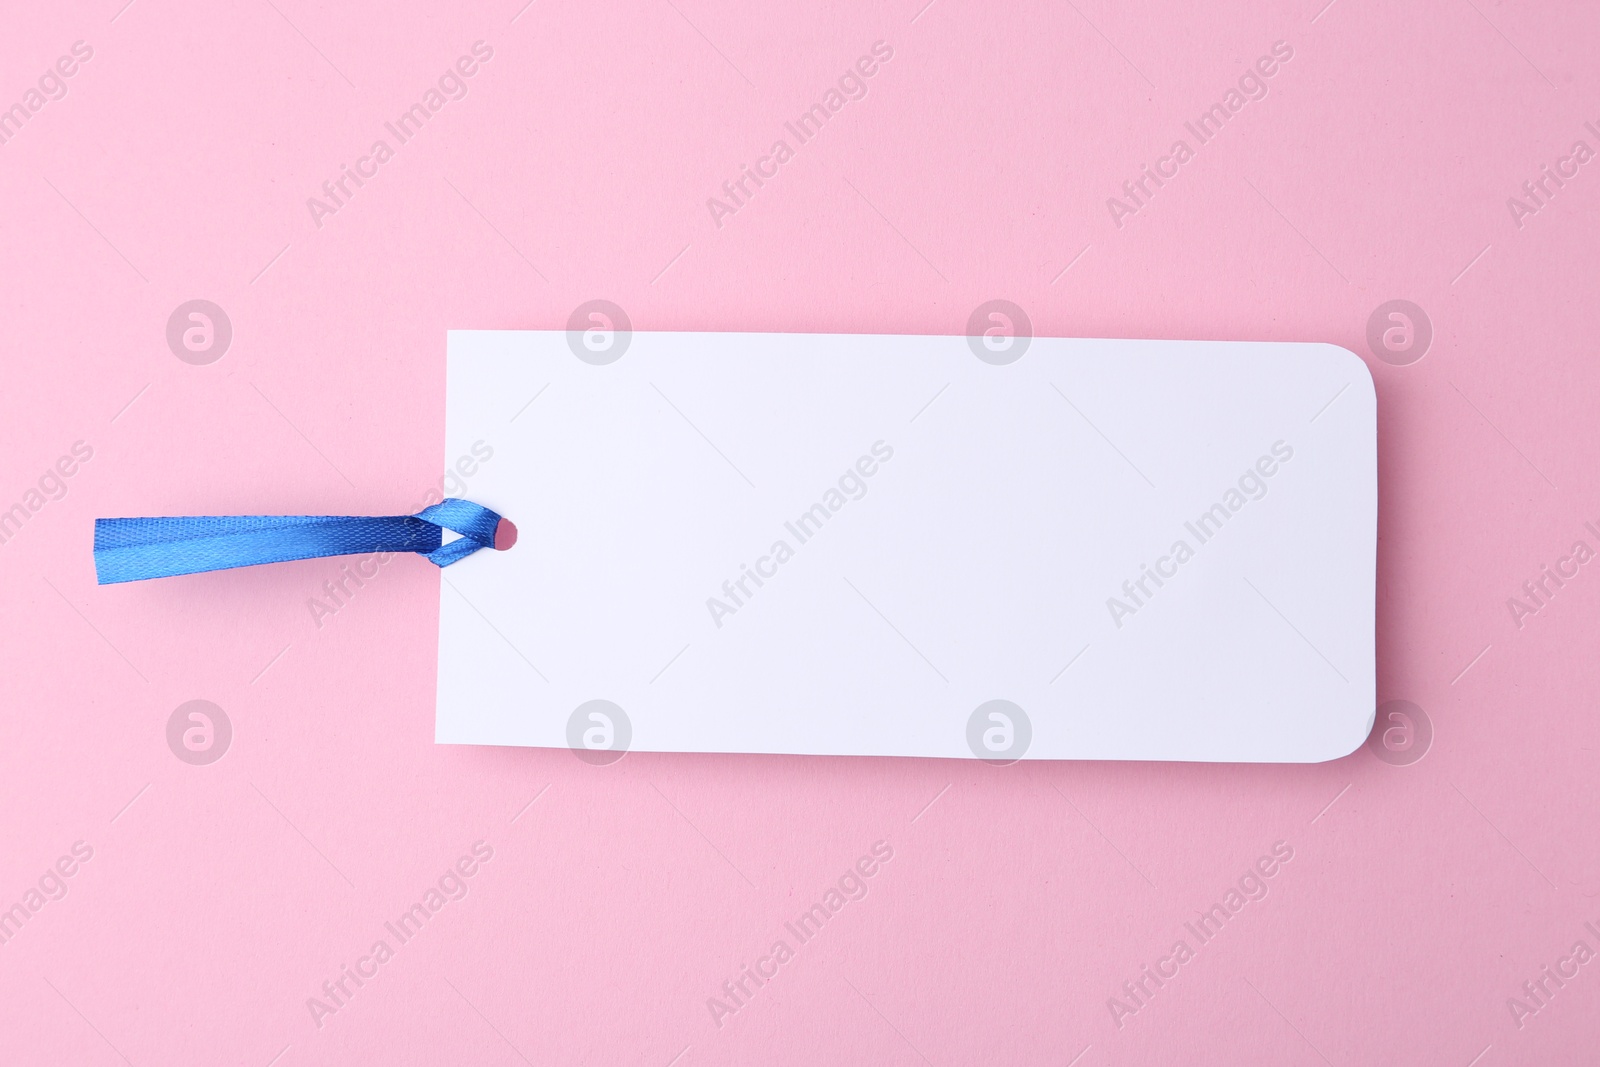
(129, 550)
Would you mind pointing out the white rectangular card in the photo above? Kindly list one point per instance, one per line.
(889, 546)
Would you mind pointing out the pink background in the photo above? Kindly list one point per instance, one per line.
(219, 898)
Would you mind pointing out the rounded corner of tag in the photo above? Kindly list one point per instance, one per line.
(1352, 363)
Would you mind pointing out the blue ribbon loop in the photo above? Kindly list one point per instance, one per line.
(130, 550)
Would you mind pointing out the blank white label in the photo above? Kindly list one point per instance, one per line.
(884, 545)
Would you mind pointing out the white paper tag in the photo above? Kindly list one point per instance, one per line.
(913, 546)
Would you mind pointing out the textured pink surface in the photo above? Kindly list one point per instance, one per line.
(220, 897)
